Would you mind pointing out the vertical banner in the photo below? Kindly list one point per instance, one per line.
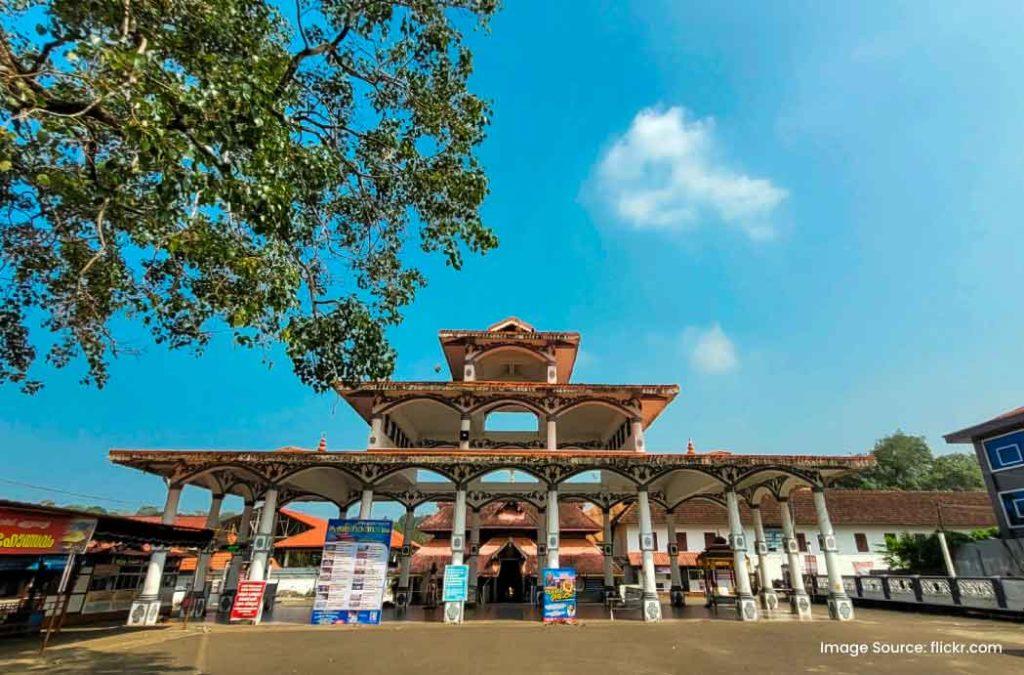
(248, 603)
(559, 594)
(353, 572)
(456, 583)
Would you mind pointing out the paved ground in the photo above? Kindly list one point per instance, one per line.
(593, 647)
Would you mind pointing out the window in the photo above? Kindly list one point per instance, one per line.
(773, 538)
(862, 542)
(709, 539)
(681, 541)
(801, 542)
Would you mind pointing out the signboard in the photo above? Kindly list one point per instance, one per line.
(1006, 451)
(28, 533)
(248, 604)
(353, 572)
(559, 594)
(1013, 507)
(456, 583)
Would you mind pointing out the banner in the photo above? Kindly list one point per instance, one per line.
(248, 604)
(32, 533)
(456, 583)
(353, 572)
(559, 594)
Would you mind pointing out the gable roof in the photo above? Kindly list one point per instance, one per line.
(518, 516)
(1005, 422)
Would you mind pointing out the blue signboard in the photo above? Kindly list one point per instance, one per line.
(1006, 451)
(1013, 506)
(559, 594)
(456, 583)
(353, 572)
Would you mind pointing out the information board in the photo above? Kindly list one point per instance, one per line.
(456, 583)
(353, 572)
(559, 594)
(248, 604)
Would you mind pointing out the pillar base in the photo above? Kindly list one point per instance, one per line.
(840, 608)
(652, 609)
(402, 597)
(746, 608)
(471, 596)
(769, 600)
(196, 606)
(453, 612)
(144, 612)
(225, 601)
(677, 596)
(800, 605)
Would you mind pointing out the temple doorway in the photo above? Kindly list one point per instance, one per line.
(509, 584)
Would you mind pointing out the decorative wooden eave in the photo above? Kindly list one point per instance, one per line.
(645, 401)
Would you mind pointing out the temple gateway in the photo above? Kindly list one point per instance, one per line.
(511, 499)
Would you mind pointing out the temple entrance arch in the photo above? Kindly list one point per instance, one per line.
(509, 581)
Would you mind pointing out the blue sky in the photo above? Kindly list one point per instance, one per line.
(808, 216)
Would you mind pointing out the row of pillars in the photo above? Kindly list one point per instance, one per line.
(634, 442)
(839, 605)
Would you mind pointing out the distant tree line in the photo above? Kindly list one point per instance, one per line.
(905, 462)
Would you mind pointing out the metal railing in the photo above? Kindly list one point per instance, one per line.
(1001, 594)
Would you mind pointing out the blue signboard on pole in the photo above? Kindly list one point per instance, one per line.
(559, 594)
(456, 583)
(353, 572)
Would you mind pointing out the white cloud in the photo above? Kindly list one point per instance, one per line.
(713, 352)
(663, 174)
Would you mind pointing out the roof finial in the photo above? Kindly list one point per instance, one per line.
(691, 449)
(322, 447)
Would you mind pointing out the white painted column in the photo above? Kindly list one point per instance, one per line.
(241, 541)
(264, 540)
(676, 594)
(946, 557)
(840, 607)
(145, 610)
(464, 428)
(542, 540)
(376, 432)
(404, 594)
(474, 548)
(469, 372)
(769, 600)
(799, 603)
(652, 606)
(454, 611)
(554, 527)
(212, 521)
(366, 504)
(552, 434)
(636, 434)
(746, 607)
(608, 550)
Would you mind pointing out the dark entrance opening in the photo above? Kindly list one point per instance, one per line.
(509, 584)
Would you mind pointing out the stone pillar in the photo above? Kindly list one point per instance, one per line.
(746, 606)
(676, 594)
(636, 434)
(542, 540)
(552, 434)
(453, 611)
(840, 607)
(799, 603)
(145, 610)
(474, 549)
(554, 527)
(212, 521)
(608, 549)
(464, 424)
(404, 594)
(366, 504)
(263, 543)
(376, 432)
(237, 558)
(769, 600)
(652, 606)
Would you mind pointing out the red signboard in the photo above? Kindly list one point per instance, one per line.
(35, 533)
(248, 605)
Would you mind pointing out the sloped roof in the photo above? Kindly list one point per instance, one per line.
(998, 424)
(191, 522)
(572, 552)
(894, 508)
(502, 516)
(661, 559)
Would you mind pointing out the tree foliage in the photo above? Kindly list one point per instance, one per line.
(905, 462)
(246, 166)
(920, 554)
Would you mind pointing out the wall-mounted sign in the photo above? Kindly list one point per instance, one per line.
(353, 572)
(1006, 451)
(1012, 502)
(559, 594)
(456, 583)
(30, 533)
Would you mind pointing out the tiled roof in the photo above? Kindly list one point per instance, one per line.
(501, 516)
(998, 424)
(850, 507)
(572, 552)
(190, 522)
(661, 559)
(218, 561)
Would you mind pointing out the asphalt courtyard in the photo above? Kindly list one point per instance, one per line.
(877, 641)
